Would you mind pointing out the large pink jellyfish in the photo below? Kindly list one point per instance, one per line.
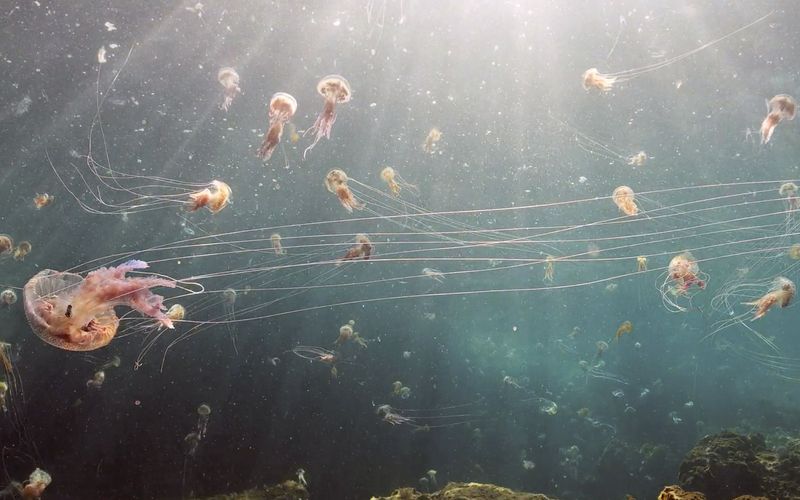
(229, 79)
(335, 90)
(77, 314)
(779, 108)
(282, 108)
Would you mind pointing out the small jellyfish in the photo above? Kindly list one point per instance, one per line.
(3, 395)
(592, 78)
(602, 347)
(229, 79)
(277, 246)
(779, 108)
(97, 380)
(215, 197)
(794, 251)
(547, 407)
(282, 108)
(176, 312)
(362, 250)
(8, 297)
(395, 182)
(345, 334)
(638, 159)
(625, 327)
(549, 271)
(434, 274)
(781, 292)
(405, 392)
(431, 140)
(432, 479)
(789, 191)
(641, 263)
(42, 200)
(334, 89)
(75, 313)
(624, 198)
(6, 244)
(203, 414)
(396, 387)
(336, 183)
(684, 272)
(34, 487)
(23, 249)
(301, 477)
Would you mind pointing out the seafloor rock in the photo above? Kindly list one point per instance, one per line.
(675, 492)
(465, 491)
(727, 464)
(287, 490)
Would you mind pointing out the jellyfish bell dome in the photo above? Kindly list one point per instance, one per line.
(281, 102)
(49, 303)
(335, 87)
(783, 104)
(228, 76)
(334, 179)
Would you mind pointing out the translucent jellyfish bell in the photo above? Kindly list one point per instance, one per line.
(204, 410)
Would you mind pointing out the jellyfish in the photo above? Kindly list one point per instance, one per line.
(602, 347)
(203, 413)
(3, 394)
(277, 246)
(345, 334)
(779, 108)
(23, 249)
(781, 292)
(624, 198)
(8, 297)
(176, 312)
(42, 200)
(318, 354)
(229, 305)
(431, 140)
(789, 191)
(362, 250)
(592, 78)
(215, 197)
(334, 89)
(395, 182)
(682, 273)
(432, 418)
(229, 79)
(548, 269)
(75, 313)
(301, 477)
(6, 245)
(625, 327)
(336, 183)
(638, 159)
(282, 108)
(794, 251)
(641, 264)
(96, 382)
(34, 487)
(434, 274)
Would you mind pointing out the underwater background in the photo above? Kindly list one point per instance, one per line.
(492, 352)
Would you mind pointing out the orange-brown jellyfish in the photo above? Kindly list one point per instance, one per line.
(625, 327)
(277, 245)
(335, 90)
(625, 200)
(684, 272)
(592, 78)
(336, 183)
(641, 263)
(779, 108)
(6, 244)
(229, 79)
(781, 292)
(34, 487)
(23, 249)
(215, 197)
(75, 313)
(638, 159)
(282, 108)
(395, 182)
(42, 200)
(362, 250)
(789, 191)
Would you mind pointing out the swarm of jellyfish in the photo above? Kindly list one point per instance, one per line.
(334, 90)
(282, 108)
(75, 313)
(229, 79)
(336, 183)
(779, 108)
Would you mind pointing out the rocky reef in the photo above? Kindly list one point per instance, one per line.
(287, 490)
(727, 464)
(465, 491)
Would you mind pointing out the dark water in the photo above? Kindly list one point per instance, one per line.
(489, 347)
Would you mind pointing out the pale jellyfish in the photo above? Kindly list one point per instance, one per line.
(229, 304)
(779, 108)
(395, 182)
(433, 274)
(334, 89)
(277, 246)
(593, 78)
(336, 183)
(8, 297)
(431, 140)
(229, 79)
(282, 108)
